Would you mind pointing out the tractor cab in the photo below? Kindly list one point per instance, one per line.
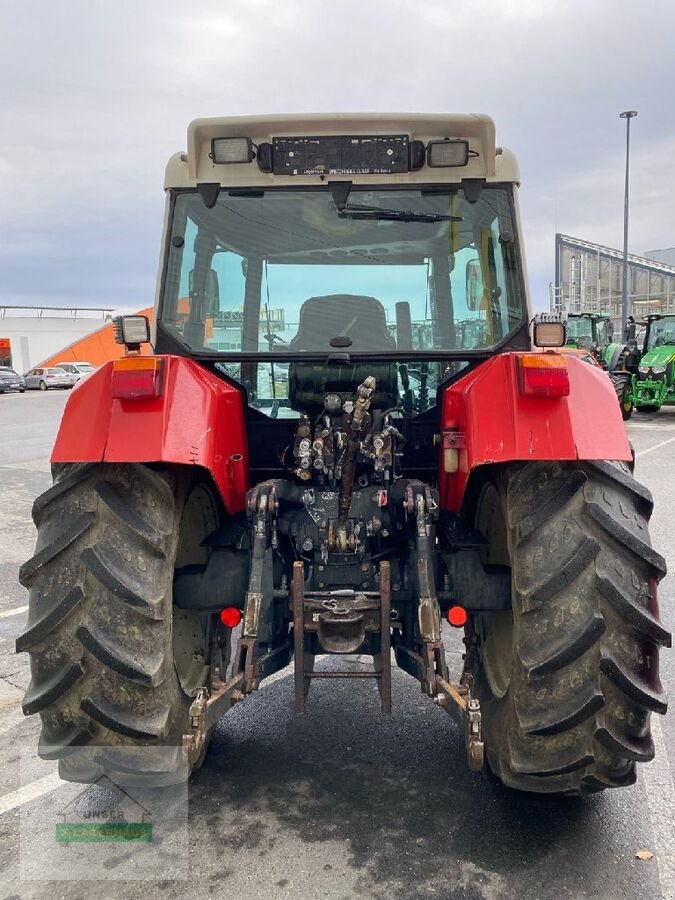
(660, 332)
(590, 331)
(335, 254)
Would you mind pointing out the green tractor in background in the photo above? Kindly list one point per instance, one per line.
(653, 384)
(595, 332)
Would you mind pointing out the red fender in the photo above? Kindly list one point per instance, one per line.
(487, 418)
(197, 420)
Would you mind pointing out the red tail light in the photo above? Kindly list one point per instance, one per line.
(457, 616)
(230, 617)
(137, 377)
(543, 375)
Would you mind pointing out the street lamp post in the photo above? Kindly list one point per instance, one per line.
(627, 115)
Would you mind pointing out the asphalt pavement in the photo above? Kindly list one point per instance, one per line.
(343, 802)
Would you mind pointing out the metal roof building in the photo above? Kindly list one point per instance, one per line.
(37, 333)
(588, 278)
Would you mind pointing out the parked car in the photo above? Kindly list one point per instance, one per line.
(53, 377)
(78, 369)
(11, 380)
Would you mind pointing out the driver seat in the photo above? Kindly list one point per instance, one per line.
(359, 318)
(363, 320)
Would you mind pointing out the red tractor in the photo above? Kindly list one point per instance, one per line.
(318, 460)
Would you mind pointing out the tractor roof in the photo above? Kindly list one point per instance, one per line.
(589, 315)
(486, 161)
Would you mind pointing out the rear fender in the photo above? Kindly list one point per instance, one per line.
(612, 355)
(486, 419)
(198, 420)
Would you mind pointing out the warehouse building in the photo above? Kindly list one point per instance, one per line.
(37, 333)
(588, 278)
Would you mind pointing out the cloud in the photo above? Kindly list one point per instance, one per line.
(97, 96)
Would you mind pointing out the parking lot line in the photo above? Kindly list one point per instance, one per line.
(658, 781)
(29, 792)
(13, 612)
(655, 447)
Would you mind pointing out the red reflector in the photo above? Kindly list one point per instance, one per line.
(457, 616)
(230, 617)
(137, 378)
(543, 375)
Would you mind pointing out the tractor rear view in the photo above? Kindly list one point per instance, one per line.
(343, 441)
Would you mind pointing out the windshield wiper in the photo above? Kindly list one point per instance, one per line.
(340, 191)
(354, 211)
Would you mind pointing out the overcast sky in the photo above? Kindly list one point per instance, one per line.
(96, 95)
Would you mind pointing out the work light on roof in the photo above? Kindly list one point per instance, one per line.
(225, 151)
(444, 154)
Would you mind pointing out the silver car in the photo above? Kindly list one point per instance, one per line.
(11, 381)
(44, 379)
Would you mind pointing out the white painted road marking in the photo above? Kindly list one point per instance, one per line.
(13, 612)
(655, 447)
(658, 781)
(30, 792)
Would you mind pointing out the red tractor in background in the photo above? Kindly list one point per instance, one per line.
(343, 438)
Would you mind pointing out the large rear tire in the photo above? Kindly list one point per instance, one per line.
(113, 664)
(569, 678)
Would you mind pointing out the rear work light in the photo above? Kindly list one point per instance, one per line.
(132, 330)
(444, 154)
(225, 151)
(543, 375)
(549, 334)
(137, 378)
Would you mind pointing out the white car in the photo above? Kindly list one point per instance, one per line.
(77, 369)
